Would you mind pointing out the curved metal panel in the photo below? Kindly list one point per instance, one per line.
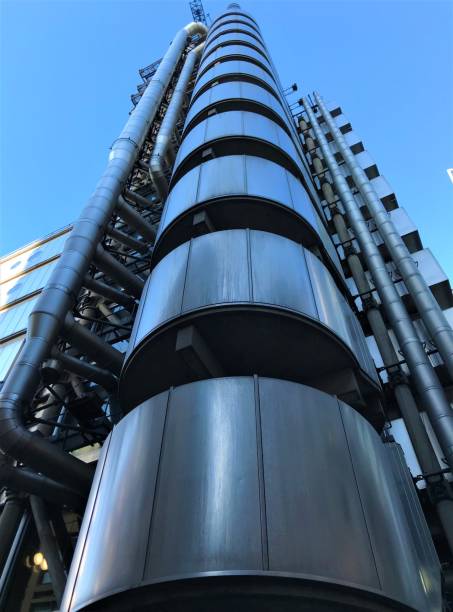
(217, 272)
(237, 68)
(225, 479)
(335, 312)
(108, 552)
(328, 300)
(234, 124)
(269, 254)
(237, 37)
(235, 91)
(234, 12)
(220, 479)
(168, 301)
(225, 44)
(225, 278)
(286, 411)
(242, 175)
(243, 198)
(231, 28)
(229, 55)
(233, 49)
(232, 20)
(391, 538)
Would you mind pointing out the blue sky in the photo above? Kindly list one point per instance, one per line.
(68, 69)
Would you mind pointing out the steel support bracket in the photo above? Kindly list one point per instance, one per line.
(197, 354)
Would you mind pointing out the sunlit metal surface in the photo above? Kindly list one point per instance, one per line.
(225, 283)
(239, 125)
(222, 478)
(234, 68)
(239, 93)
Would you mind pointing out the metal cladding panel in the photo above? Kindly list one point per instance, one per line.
(225, 278)
(223, 124)
(234, 17)
(167, 301)
(118, 542)
(242, 175)
(182, 196)
(237, 35)
(232, 170)
(114, 550)
(216, 269)
(232, 22)
(232, 28)
(233, 49)
(234, 124)
(235, 68)
(207, 510)
(381, 186)
(293, 288)
(238, 91)
(234, 12)
(303, 429)
(391, 539)
(222, 476)
(270, 180)
(429, 569)
(329, 301)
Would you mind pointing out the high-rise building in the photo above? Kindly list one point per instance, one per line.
(240, 354)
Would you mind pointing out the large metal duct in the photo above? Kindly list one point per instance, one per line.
(425, 379)
(163, 138)
(430, 311)
(234, 503)
(59, 295)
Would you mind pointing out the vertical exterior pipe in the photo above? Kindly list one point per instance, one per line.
(49, 547)
(437, 485)
(10, 518)
(429, 309)
(168, 126)
(67, 278)
(428, 386)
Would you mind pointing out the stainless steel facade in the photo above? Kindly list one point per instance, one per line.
(217, 307)
(230, 480)
(242, 289)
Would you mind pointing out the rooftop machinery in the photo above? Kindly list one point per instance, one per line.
(241, 320)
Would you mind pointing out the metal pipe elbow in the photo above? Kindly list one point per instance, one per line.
(196, 27)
